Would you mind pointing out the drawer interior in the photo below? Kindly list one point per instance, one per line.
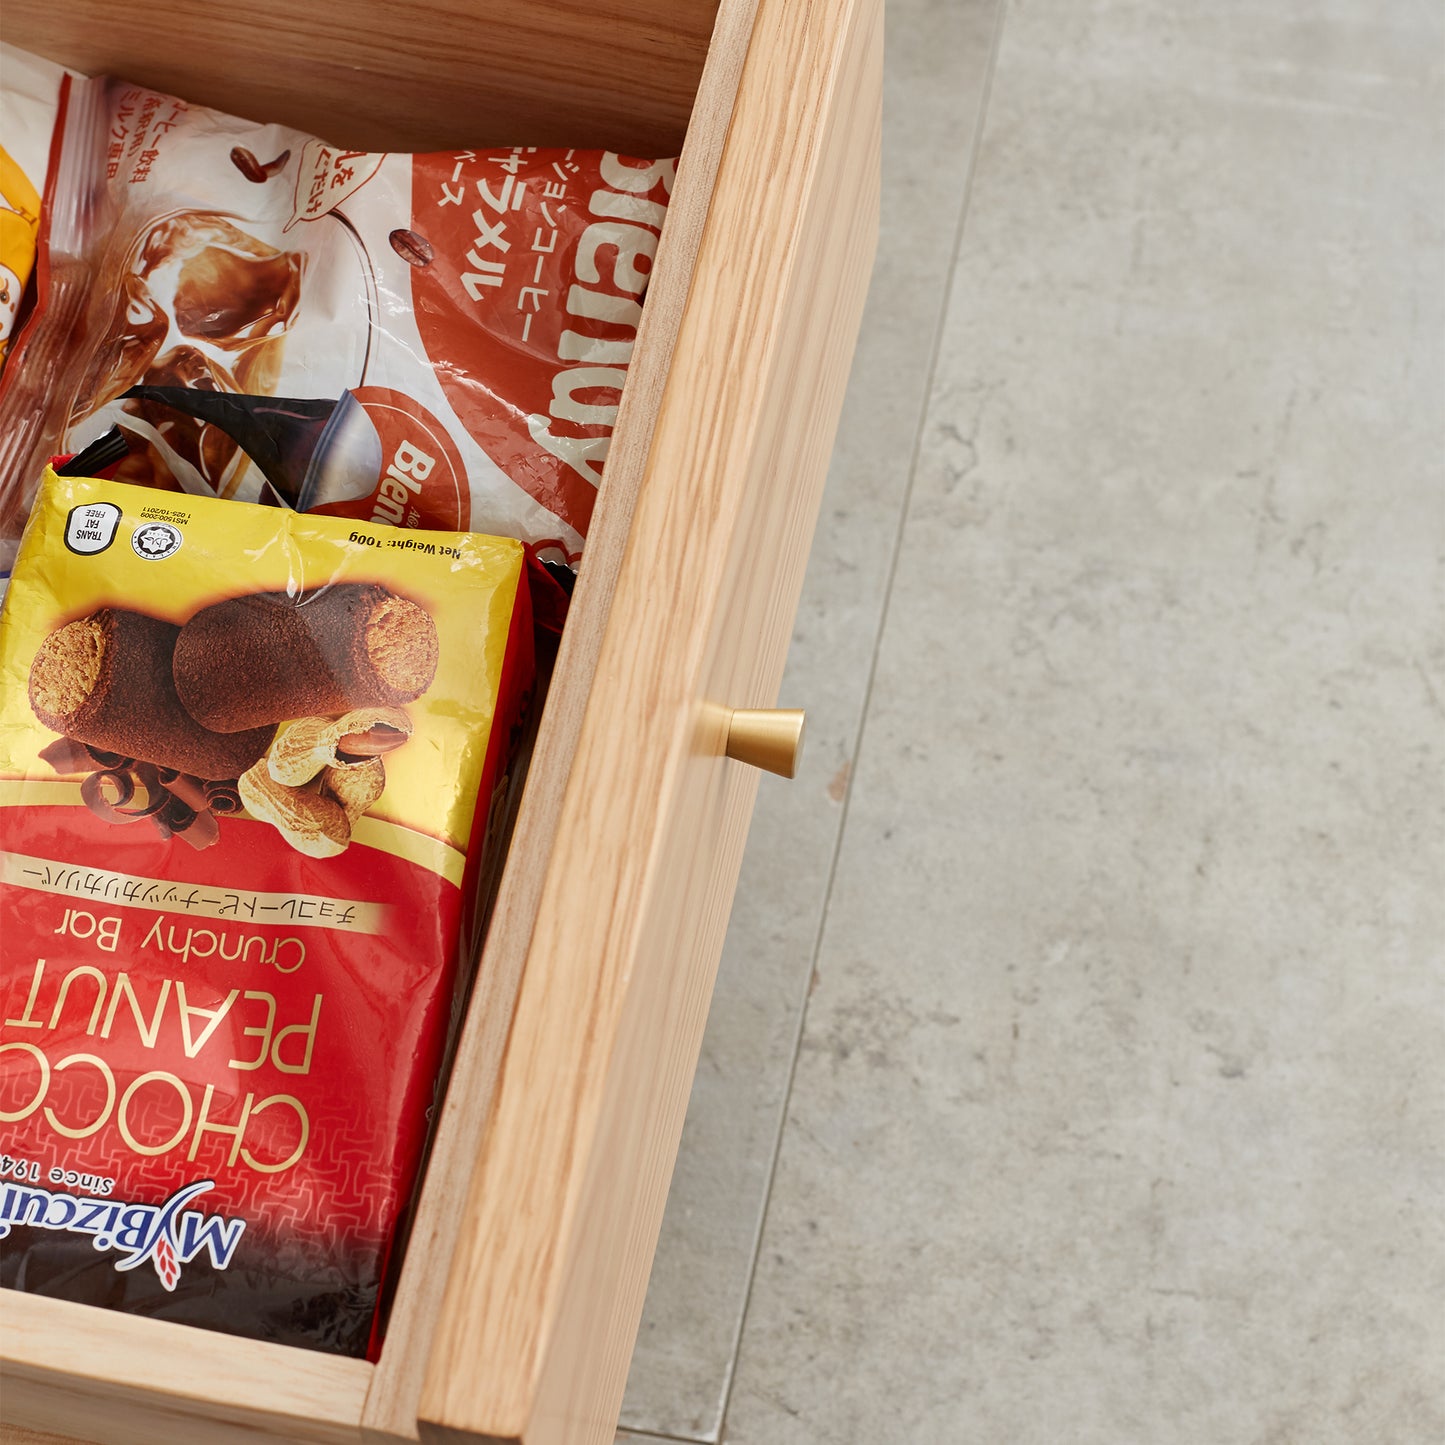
(646, 77)
(618, 74)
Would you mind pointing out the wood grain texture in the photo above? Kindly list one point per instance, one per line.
(392, 1404)
(99, 1375)
(762, 344)
(549, 1274)
(383, 76)
(17, 1435)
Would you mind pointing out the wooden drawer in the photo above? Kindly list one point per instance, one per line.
(523, 1285)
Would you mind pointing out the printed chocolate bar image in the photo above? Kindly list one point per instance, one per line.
(106, 681)
(331, 666)
(266, 658)
(126, 692)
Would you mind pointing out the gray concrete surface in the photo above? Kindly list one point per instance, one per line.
(1107, 1049)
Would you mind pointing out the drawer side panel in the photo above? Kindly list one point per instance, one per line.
(548, 1280)
(391, 1407)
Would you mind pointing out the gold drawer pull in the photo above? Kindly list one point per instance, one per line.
(767, 737)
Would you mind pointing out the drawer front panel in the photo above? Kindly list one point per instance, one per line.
(558, 1231)
(131, 1381)
(548, 1278)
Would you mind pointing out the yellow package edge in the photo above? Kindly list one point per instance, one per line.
(92, 545)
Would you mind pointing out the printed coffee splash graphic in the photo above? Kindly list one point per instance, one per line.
(201, 304)
(282, 705)
(486, 299)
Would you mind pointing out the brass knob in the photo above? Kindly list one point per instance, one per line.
(767, 737)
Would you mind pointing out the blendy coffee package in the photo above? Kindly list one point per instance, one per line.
(434, 341)
(250, 771)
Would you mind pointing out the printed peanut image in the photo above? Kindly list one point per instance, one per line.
(283, 706)
(311, 744)
(321, 774)
(355, 787)
(311, 824)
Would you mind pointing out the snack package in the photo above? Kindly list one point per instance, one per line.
(250, 768)
(434, 341)
(29, 102)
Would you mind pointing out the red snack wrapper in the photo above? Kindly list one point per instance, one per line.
(232, 948)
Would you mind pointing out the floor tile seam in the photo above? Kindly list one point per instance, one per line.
(633, 1432)
(924, 411)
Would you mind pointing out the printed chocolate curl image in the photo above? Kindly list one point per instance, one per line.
(251, 661)
(314, 452)
(106, 680)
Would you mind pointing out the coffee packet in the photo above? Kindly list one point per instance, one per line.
(252, 766)
(433, 341)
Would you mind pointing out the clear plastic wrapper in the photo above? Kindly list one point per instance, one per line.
(253, 767)
(433, 341)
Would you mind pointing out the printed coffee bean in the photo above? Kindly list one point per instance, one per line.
(247, 164)
(252, 169)
(415, 250)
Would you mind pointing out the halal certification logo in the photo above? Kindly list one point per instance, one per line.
(155, 541)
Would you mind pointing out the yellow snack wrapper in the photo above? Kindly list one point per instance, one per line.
(250, 762)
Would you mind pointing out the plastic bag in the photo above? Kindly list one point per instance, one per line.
(251, 773)
(431, 341)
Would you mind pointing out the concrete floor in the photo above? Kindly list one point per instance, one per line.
(1076, 1072)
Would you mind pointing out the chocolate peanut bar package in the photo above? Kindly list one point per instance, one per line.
(250, 768)
(434, 341)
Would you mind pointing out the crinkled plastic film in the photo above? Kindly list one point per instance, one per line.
(432, 341)
(251, 764)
